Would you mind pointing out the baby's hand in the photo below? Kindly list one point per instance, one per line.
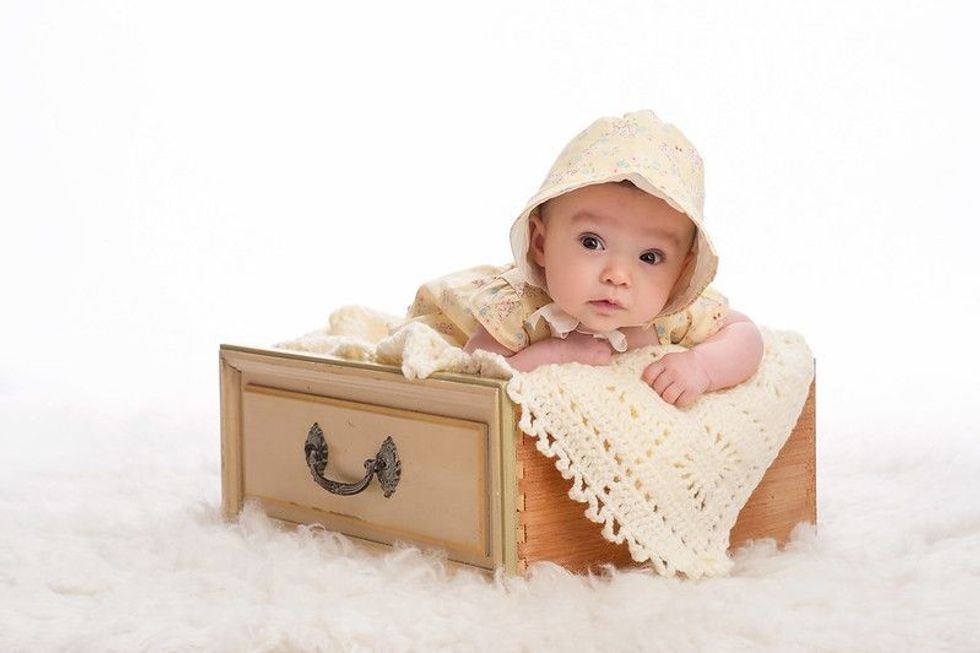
(583, 348)
(576, 348)
(679, 378)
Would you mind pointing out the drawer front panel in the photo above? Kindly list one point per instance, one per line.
(442, 498)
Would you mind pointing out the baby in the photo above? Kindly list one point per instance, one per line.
(611, 254)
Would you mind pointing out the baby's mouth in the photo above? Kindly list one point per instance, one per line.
(606, 304)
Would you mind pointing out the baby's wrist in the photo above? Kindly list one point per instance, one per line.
(534, 355)
(705, 365)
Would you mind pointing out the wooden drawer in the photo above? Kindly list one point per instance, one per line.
(451, 437)
(470, 482)
(442, 497)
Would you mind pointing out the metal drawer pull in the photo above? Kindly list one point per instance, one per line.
(385, 464)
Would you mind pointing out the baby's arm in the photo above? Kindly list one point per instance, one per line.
(577, 347)
(733, 354)
(725, 359)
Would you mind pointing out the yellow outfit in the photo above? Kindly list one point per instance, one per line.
(511, 303)
(501, 301)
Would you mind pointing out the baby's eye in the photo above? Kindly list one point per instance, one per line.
(652, 257)
(590, 241)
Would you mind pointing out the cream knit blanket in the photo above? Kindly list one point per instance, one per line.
(668, 482)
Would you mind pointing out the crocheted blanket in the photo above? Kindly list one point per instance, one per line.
(668, 482)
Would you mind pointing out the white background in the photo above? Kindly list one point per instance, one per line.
(177, 175)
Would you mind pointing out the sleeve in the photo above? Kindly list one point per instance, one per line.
(443, 303)
(700, 320)
(503, 309)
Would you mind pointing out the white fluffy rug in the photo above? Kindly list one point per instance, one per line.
(112, 541)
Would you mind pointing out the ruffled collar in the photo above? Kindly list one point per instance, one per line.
(561, 324)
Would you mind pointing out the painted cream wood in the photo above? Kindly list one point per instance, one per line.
(442, 497)
(260, 387)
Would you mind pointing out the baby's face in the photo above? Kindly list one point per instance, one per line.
(611, 253)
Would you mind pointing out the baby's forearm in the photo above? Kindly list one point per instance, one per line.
(574, 348)
(534, 355)
(543, 352)
(732, 355)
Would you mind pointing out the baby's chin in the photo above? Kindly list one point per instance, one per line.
(589, 320)
(607, 325)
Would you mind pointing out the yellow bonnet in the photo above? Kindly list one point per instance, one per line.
(657, 158)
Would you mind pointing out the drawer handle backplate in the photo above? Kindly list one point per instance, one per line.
(385, 464)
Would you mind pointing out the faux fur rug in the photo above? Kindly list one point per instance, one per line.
(111, 540)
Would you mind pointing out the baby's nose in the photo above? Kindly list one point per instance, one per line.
(615, 274)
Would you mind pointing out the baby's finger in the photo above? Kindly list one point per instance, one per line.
(663, 381)
(651, 373)
(671, 394)
(687, 399)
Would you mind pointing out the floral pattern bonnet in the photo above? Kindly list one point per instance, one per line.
(657, 158)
